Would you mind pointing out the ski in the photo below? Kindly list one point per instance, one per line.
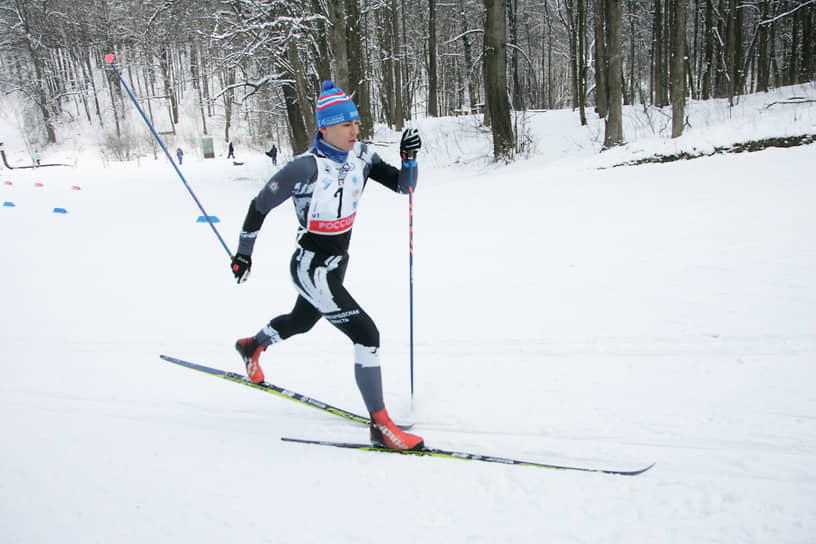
(275, 390)
(465, 456)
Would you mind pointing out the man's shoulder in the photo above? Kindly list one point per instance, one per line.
(301, 168)
(304, 161)
(365, 152)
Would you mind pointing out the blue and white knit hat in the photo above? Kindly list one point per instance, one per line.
(334, 106)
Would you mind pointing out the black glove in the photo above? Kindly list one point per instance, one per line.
(241, 264)
(410, 143)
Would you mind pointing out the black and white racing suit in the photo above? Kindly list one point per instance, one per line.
(326, 185)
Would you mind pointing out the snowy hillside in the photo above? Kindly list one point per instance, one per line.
(565, 312)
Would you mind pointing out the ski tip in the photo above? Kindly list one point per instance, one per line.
(629, 472)
(641, 471)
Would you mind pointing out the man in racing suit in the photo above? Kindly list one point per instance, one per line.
(326, 184)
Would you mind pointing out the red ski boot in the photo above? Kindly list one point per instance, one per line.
(386, 434)
(250, 351)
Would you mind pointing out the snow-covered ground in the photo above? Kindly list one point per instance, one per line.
(564, 312)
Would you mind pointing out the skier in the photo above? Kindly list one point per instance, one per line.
(231, 152)
(180, 155)
(273, 154)
(326, 184)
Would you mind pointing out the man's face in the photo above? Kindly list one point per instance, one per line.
(342, 136)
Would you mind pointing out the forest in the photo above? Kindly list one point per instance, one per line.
(261, 62)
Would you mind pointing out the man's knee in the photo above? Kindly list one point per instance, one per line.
(366, 356)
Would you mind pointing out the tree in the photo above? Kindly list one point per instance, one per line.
(495, 80)
(337, 14)
(764, 61)
(659, 83)
(518, 93)
(473, 94)
(601, 60)
(613, 134)
(731, 45)
(433, 105)
(302, 88)
(708, 50)
(581, 62)
(321, 40)
(299, 136)
(358, 74)
(678, 67)
(390, 80)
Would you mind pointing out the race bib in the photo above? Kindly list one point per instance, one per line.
(335, 198)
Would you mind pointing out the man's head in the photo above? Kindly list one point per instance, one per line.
(337, 117)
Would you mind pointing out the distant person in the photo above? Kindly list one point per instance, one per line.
(37, 157)
(273, 153)
(231, 153)
(180, 155)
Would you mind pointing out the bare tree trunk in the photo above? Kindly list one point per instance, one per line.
(601, 86)
(473, 93)
(169, 95)
(739, 48)
(793, 65)
(228, 97)
(806, 70)
(572, 33)
(300, 87)
(387, 87)
(148, 90)
(495, 75)
(113, 81)
(407, 68)
(87, 60)
(812, 40)
(708, 50)
(301, 140)
(205, 82)
(660, 92)
(629, 98)
(731, 49)
(323, 60)
(678, 67)
(614, 121)
(764, 61)
(518, 96)
(358, 76)
(550, 102)
(433, 83)
(581, 63)
(398, 113)
(195, 72)
(337, 14)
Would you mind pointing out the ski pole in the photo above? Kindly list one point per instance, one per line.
(411, 165)
(109, 58)
(411, 278)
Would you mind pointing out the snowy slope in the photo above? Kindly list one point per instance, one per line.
(564, 313)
